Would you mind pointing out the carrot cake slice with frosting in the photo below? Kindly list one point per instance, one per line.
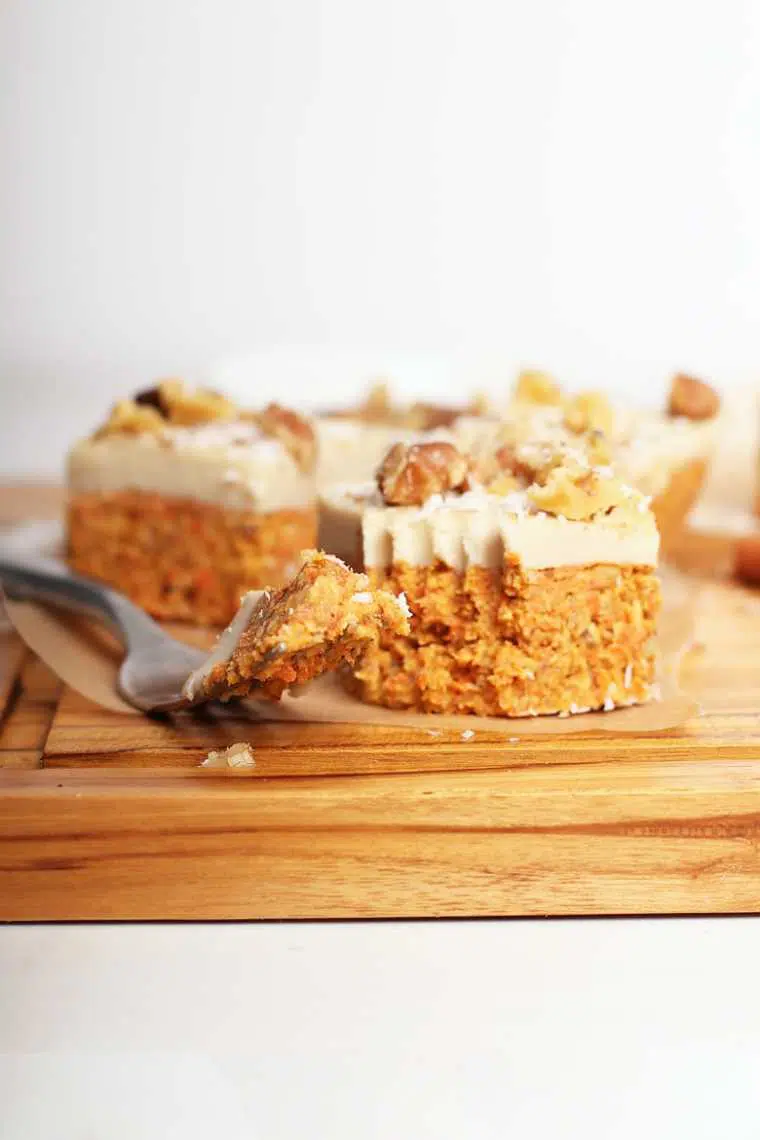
(184, 501)
(663, 455)
(533, 591)
(325, 617)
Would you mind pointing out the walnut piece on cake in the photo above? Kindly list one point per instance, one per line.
(189, 406)
(501, 468)
(692, 398)
(412, 472)
(130, 418)
(589, 411)
(379, 409)
(294, 432)
(170, 402)
(534, 387)
(578, 493)
(325, 617)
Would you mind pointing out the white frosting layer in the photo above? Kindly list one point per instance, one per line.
(483, 530)
(227, 464)
(340, 520)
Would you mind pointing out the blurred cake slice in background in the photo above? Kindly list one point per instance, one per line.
(663, 455)
(184, 501)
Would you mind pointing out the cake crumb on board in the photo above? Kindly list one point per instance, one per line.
(238, 755)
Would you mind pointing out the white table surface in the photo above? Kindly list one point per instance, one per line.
(621, 1028)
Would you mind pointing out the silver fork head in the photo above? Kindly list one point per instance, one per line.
(152, 675)
(156, 665)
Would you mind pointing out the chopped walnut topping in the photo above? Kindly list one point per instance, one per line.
(504, 484)
(747, 559)
(185, 406)
(377, 405)
(479, 405)
(428, 417)
(692, 398)
(502, 470)
(378, 408)
(578, 493)
(411, 473)
(128, 418)
(537, 388)
(588, 411)
(150, 398)
(598, 448)
(169, 403)
(294, 432)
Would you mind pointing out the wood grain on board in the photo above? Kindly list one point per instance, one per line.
(108, 816)
(587, 839)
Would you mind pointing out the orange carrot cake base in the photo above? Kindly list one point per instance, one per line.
(181, 559)
(512, 642)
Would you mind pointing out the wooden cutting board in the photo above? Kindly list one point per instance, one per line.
(108, 816)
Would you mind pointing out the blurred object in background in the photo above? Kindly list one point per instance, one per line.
(303, 194)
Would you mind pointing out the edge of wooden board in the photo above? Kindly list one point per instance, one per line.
(640, 838)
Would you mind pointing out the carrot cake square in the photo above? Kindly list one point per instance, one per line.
(665, 455)
(184, 501)
(533, 594)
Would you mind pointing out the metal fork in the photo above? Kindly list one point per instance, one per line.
(156, 665)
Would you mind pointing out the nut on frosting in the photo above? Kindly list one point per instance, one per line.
(171, 403)
(293, 431)
(537, 388)
(379, 409)
(129, 418)
(185, 406)
(588, 411)
(503, 469)
(579, 493)
(411, 473)
(692, 398)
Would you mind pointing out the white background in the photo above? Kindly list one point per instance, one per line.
(327, 189)
(292, 195)
(564, 1030)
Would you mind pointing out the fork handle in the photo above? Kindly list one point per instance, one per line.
(34, 583)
